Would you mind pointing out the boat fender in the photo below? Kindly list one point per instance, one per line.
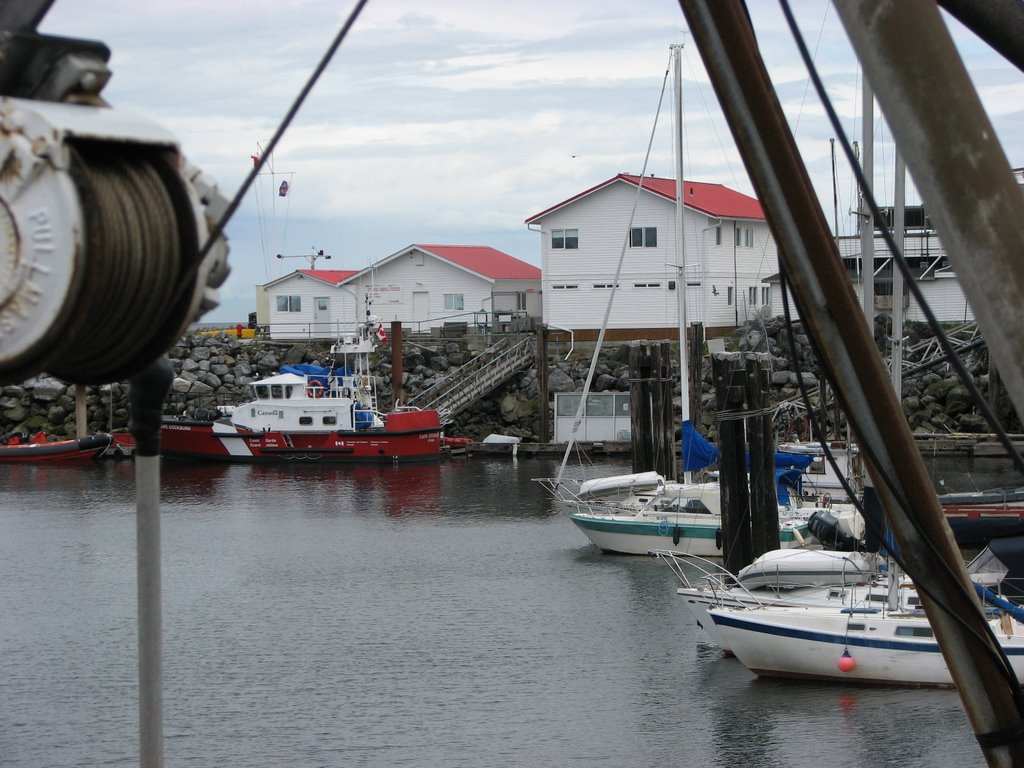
(798, 536)
(675, 536)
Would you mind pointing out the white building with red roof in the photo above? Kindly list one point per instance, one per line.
(422, 286)
(728, 251)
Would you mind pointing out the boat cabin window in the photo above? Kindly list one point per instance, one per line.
(305, 420)
(855, 627)
(288, 391)
(914, 632)
(262, 391)
(276, 391)
(330, 419)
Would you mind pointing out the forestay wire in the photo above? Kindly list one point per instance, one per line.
(615, 286)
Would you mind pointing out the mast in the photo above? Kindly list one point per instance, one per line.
(684, 374)
(898, 230)
(867, 226)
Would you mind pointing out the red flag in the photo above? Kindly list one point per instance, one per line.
(283, 189)
(381, 334)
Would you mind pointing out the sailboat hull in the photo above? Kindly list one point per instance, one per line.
(884, 649)
(631, 535)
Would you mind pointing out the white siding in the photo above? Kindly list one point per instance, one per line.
(946, 299)
(602, 219)
(299, 325)
(394, 282)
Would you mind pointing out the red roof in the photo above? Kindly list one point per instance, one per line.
(332, 276)
(713, 199)
(485, 261)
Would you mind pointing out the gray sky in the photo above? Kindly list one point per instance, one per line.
(454, 121)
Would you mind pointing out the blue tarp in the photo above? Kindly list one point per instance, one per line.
(308, 369)
(786, 479)
(698, 453)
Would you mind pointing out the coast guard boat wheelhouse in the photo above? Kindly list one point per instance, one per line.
(310, 413)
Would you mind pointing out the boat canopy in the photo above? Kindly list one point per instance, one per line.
(308, 369)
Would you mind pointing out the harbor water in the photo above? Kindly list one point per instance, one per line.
(436, 615)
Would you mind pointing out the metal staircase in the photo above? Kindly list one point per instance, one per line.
(468, 383)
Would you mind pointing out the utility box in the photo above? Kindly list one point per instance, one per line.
(605, 417)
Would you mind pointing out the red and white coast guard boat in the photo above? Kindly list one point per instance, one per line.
(310, 414)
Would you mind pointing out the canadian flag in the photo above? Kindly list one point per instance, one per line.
(381, 334)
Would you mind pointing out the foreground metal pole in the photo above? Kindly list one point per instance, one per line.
(146, 395)
(827, 302)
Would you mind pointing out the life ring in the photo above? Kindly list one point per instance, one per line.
(315, 390)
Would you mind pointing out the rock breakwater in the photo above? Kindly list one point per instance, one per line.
(216, 370)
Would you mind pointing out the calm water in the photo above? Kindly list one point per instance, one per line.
(431, 616)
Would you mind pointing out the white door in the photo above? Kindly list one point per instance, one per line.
(322, 317)
(420, 310)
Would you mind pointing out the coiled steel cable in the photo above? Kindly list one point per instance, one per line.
(134, 256)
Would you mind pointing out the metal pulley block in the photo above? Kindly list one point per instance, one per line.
(102, 226)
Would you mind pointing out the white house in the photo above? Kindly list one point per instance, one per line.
(422, 286)
(728, 252)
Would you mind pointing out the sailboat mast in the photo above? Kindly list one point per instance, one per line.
(867, 226)
(898, 229)
(684, 374)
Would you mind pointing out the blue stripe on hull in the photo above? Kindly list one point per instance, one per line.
(819, 636)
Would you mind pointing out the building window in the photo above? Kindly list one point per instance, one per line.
(604, 285)
(289, 303)
(454, 302)
(752, 295)
(643, 237)
(766, 295)
(565, 238)
(729, 301)
(745, 237)
(718, 235)
(565, 287)
(647, 285)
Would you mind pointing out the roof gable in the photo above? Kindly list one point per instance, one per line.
(714, 200)
(328, 276)
(485, 261)
(332, 276)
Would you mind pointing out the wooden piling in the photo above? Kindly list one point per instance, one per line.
(397, 392)
(731, 393)
(650, 406)
(764, 502)
(542, 384)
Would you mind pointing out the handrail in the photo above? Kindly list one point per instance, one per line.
(482, 374)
